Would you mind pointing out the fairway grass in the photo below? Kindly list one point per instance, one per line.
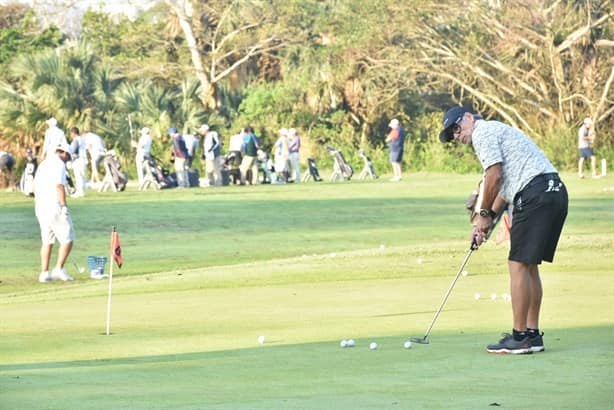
(209, 271)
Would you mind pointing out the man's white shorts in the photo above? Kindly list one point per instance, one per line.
(56, 226)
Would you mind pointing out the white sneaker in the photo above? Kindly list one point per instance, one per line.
(95, 274)
(60, 274)
(44, 277)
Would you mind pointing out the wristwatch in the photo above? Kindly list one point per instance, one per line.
(487, 212)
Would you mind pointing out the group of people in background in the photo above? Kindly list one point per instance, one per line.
(245, 158)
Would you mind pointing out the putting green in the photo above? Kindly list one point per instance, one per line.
(209, 271)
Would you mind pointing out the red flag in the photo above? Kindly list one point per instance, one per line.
(116, 249)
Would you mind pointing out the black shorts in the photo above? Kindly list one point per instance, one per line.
(540, 210)
(586, 152)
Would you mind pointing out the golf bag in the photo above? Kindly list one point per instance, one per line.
(231, 174)
(26, 184)
(313, 171)
(265, 168)
(369, 169)
(193, 177)
(156, 176)
(341, 168)
(114, 177)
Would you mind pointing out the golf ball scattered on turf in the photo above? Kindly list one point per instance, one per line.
(493, 296)
(261, 339)
(333, 254)
(407, 345)
(351, 343)
(382, 247)
(476, 296)
(343, 343)
(373, 346)
(465, 273)
(420, 261)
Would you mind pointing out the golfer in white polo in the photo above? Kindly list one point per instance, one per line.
(51, 211)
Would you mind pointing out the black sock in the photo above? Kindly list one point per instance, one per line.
(519, 335)
(533, 332)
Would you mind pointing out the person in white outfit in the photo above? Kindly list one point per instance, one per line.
(96, 148)
(52, 213)
(281, 155)
(53, 137)
(78, 153)
(143, 152)
(211, 153)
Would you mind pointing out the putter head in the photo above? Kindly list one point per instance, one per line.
(422, 340)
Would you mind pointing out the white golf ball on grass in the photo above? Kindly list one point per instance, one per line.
(351, 343)
(373, 346)
(465, 273)
(407, 345)
(493, 296)
(476, 296)
(261, 339)
(343, 343)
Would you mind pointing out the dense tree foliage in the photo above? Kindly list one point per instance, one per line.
(338, 70)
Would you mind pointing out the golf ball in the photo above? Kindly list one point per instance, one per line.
(420, 261)
(351, 343)
(505, 296)
(373, 346)
(261, 339)
(476, 296)
(465, 273)
(382, 247)
(493, 296)
(343, 343)
(407, 345)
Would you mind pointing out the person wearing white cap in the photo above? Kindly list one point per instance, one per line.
(52, 212)
(143, 152)
(586, 139)
(211, 153)
(396, 142)
(53, 136)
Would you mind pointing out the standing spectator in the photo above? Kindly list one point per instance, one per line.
(280, 155)
(78, 153)
(235, 147)
(250, 149)
(396, 142)
(7, 164)
(181, 157)
(211, 154)
(191, 144)
(586, 139)
(95, 146)
(518, 173)
(143, 153)
(53, 137)
(294, 147)
(52, 213)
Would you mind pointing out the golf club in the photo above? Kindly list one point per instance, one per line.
(474, 246)
(81, 269)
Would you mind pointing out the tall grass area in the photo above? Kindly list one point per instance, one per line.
(208, 271)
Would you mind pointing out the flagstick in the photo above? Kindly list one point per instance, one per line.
(110, 287)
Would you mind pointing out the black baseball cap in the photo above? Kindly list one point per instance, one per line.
(453, 116)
